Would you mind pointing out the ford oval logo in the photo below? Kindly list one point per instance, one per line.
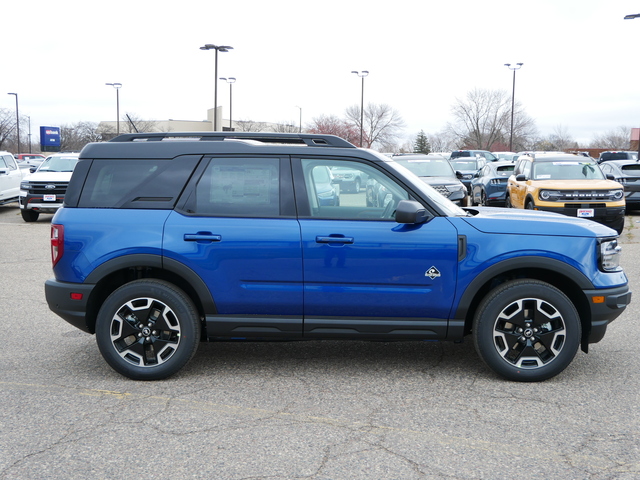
(50, 187)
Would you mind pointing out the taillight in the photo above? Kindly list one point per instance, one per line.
(57, 243)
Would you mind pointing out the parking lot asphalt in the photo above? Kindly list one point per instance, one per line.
(312, 410)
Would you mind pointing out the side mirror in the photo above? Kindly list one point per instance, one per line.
(459, 174)
(521, 178)
(410, 211)
(610, 176)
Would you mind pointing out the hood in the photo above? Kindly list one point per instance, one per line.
(533, 222)
(48, 177)
(440, 180)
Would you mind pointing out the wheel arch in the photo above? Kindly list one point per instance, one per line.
(564, 277)
(528, 199)
(118, 271)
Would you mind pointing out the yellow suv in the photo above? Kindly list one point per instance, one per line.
(569, 184)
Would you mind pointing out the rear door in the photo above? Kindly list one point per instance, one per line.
(237, 230)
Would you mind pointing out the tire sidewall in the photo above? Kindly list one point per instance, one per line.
(168, 294)
(504, 295)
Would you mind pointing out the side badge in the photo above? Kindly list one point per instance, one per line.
(432, 273)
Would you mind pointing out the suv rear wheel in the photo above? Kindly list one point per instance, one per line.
(526, 330)
(148, 329)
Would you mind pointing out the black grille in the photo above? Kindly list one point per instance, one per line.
(47, 188)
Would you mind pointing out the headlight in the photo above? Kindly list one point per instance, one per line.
(610, 255)
(616, 194)
(456, 188)
(24, 186)
(549, 195)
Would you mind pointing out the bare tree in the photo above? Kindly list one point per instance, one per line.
(250, 126)
(561, 139)
(442, 141)
(382, 125)
(332, 125)
(74, 137)
(285, 128)
(133, 123)
(7, 128)
(618, 139)
(483, 120)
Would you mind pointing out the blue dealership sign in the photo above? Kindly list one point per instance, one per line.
(50, 139)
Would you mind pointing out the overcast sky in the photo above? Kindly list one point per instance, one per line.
(581, 60)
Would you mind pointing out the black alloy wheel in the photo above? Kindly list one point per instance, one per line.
(148, 329)
(527, 330)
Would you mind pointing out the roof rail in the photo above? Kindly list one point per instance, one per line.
(293, 139)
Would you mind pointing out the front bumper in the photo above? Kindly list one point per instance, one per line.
(605, 305)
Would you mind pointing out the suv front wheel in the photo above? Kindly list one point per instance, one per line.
(527, 330)
(147, 329)
(29, 215)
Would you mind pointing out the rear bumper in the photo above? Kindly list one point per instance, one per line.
(72, 309)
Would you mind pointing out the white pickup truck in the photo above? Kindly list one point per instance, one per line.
(10, 177)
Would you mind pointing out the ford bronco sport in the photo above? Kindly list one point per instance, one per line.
(169, 239)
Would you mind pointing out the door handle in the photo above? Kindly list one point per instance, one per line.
(202, 237)
(331, 239)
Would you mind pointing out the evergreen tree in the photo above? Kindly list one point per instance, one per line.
(422, 144)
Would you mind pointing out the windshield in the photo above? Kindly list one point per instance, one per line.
(58, 164)
(465, 164)
(429, 168)
(618, 156)
(446, 205)
(566, 171)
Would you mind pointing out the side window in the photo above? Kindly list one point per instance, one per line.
(606, 168)
(350, 190)
(526, 169)
(151, 184)
(3, 163)
(240, 187)
(10, 162)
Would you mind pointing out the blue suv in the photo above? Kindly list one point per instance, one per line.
(166, 240)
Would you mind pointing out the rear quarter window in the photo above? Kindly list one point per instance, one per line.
(143, 184)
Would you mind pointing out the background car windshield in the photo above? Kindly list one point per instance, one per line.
(566, 171)
(465, 164)
(58, 164)
(428, 168)
(505, 170)
(619, 156)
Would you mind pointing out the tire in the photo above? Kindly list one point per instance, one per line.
(529, 205)
(618, 225)
(29, 215)
(483, 199)
(507, 202)
(526, 330)
(148, 329)
(356, 186)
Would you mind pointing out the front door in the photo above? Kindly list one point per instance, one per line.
(365, 274)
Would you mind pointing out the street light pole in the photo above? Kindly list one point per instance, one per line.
(300, 128)
(117, 87)
(29, 136)
(513, 97)
(361, 74)
(230, 81)
(217, 48)
(17, 122)
(631, 17)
